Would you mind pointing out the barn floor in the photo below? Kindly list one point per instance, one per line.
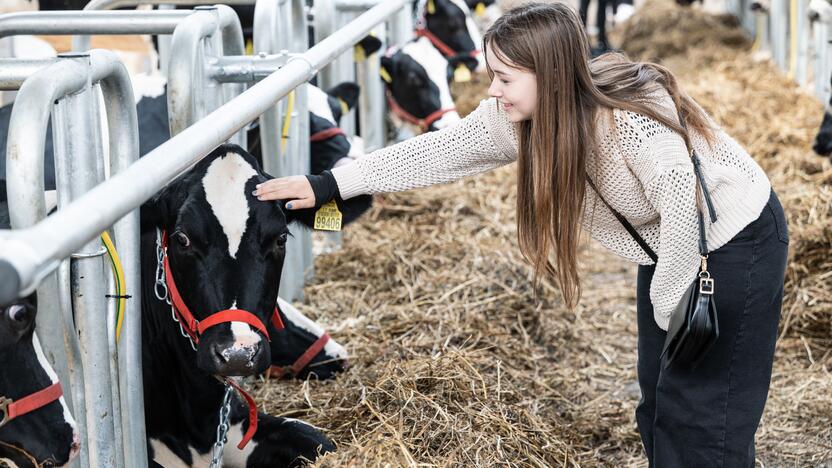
(455, 362)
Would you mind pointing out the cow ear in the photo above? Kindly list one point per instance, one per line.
(161, 210)
(370, 44)
(463, 59)
(347, 93)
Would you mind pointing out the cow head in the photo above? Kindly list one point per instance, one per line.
(823, 140)
(417, 80)
(225, 251)
(450, 22)
(820, 10)
(47, 434)
(299, 334)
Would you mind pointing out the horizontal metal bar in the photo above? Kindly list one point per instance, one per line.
(245, 68)
(28, 255)
(113, 4)
(356, 5)
(91, 22)
(13, 72)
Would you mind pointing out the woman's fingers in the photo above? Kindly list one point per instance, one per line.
(294, 188)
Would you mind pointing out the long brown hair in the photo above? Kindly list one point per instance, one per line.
(549, 40)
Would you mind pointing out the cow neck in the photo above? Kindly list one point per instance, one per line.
(326, 134)
(12, 409)
(190, 325)
(424, 123)
(445, 49)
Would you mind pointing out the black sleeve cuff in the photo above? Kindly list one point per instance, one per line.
(324, 187)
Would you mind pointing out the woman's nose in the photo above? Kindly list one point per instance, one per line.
(494, 89)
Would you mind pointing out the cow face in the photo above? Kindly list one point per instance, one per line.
(298, 335)
(47, 434)
(417, 78)
(225, 251)
(823, 140)
(451, 22)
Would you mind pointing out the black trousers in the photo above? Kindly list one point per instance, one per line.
(707, 416)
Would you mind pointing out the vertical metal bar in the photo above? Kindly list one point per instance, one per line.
(24, 176)
(74, 118)
(122, 124)
(802, 32)
(778, 16)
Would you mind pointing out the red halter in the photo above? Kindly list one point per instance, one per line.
(191, 325)
(425, 123)
(326, 134)
(302, 361)
(14, 409)
(444, 48)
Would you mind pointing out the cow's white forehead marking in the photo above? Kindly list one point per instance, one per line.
(319, 103)
(225, 190)
(426, 55)
(53, 377)
(293, 315)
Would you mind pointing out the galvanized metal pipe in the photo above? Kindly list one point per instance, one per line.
(244, 69)
(94, 22)
(188, 85)
(73, 118)
(802, 31)
(122, 124)
(26, 256)
(13, 72)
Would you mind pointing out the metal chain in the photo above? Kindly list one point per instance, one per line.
(222, 428)
(161, 286)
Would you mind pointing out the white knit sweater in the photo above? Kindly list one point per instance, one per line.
(641, 167)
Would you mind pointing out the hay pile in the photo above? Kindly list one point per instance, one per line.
(456, 363)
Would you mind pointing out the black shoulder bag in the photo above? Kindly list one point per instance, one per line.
(693, 327)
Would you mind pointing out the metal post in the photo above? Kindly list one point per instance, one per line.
(191, 94)
(28, 255)
(24, 175)
(122, 124)
(73, 118)
(802, 32)
(778, 18)
(821, 62)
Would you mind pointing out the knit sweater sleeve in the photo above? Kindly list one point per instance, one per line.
(483, 140)
(663, 165)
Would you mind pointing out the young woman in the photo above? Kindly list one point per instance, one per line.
(571, 123)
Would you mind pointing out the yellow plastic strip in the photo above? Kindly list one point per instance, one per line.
(287, 120)
(793, 33)
(118, 273)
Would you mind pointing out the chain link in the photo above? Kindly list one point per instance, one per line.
(161, 286)
(222, 428)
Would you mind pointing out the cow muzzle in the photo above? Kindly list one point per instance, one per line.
(230, 352)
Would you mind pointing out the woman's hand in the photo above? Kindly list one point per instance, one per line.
(295, 189)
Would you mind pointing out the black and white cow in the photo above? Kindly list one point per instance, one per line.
(450, 27)
(35, 423)
(417, 79)
(225, 251)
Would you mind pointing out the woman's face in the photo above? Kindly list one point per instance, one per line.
(515, 88)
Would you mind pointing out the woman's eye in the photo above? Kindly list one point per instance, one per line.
(182, 238)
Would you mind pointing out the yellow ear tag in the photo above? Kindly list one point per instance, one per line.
(479, 10)
(249, 47)
(358, 54)
(328, 217)
(431, 7)
(345, 108)
(385, 75)
(462, 74)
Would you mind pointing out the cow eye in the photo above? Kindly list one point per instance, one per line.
(17, 313)
(182, 238)
(281, 240)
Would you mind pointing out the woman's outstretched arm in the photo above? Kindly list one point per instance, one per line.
(483, 140)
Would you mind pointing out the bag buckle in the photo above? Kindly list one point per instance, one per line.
(706, 286)
(4, 410)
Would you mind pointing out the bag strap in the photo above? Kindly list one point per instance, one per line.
(700, 186)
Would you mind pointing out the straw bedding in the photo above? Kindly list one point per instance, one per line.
(456, 362)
